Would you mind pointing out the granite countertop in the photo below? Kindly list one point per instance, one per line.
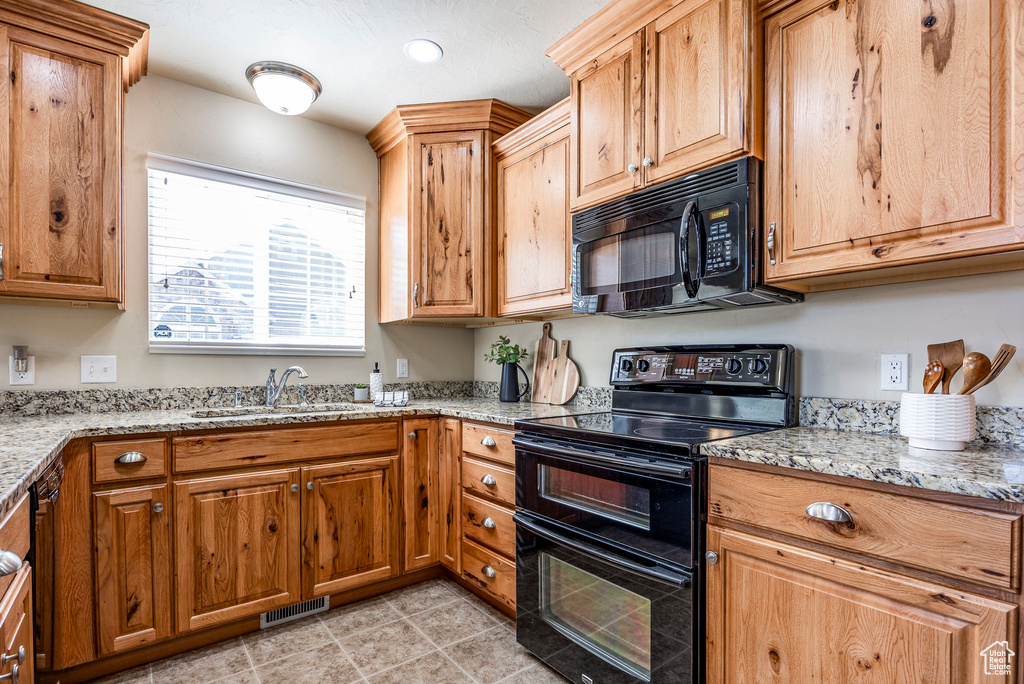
(989, 471)
(29, 444)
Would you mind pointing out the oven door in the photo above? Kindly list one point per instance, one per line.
(639, 504)
(599, 616)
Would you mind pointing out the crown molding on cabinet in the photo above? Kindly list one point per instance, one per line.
(549, 120)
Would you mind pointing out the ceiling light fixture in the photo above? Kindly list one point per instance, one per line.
(283, 88)
(423, 51)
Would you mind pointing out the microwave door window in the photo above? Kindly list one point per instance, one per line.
(601, 266)
(649, 258)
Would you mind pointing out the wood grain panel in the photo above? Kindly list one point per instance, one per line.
(778, 613)
(473, 472)
(266, 447)
(236, 546)
(503, 585)
(501, 537)
(74, 610)
(106, 469)
(133, 568)
(475, 434)
(958, 541)
(16, 625)
(351, 526)
(395, 290)
(450, 493)
(888, 135)
(44, 581)
(420, 492)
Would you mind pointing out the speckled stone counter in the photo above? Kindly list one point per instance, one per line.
(29, 444)
(983, 470)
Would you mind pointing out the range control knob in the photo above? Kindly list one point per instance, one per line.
(733, 366)
(643, 365)
(758, 366)
(626, 365)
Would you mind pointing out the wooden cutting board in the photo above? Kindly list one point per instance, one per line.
(543, 358)
(565, 377)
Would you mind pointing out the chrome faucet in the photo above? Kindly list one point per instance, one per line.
(274, 389)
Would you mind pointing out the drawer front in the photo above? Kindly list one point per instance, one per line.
(16, 626)
(105, 455)
(489, 524)
(959, 541)
(489, 442)
(479, 562)
(16, 536)
(476, 473)
(269, 447)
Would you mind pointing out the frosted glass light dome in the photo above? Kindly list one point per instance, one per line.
(283, 88)
(423, 51)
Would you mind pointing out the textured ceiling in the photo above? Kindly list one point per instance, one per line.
(492, 48)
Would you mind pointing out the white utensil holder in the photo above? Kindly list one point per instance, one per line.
(937, 421)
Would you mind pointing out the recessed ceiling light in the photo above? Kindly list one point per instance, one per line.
(283, 88)
(423, 51)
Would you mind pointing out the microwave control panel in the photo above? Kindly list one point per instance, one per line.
(721, 228)
(760, 368)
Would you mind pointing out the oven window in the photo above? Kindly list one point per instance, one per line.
(635, 260)
(611, 622)
(616, 501)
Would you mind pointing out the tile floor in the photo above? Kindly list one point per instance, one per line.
(430, 633)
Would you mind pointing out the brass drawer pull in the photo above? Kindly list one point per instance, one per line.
(489, 480)
(824, 510)
(488, 522)
(489, 572)
(488, 441)
(131, 457)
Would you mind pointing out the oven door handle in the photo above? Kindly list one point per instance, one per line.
(657, 572)
(601, 459)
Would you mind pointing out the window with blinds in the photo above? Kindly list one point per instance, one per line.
(243, 264)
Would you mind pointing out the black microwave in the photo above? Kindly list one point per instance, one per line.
(692, 244)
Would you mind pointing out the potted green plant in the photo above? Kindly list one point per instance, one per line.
(508, 356)
(362, 392)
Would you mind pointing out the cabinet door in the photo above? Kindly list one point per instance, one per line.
(696, 78)
(132, 533)
(888, 133)
(16, 629)
(60, 169)
(607, 98)
(236, 546)
(450, 493)
(778, 613)
(534, 227)
(449, 250)
(351, 525)
(419, 496)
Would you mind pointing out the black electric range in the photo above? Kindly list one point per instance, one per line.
(612, 507)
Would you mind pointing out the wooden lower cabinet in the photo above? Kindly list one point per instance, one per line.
(420, 476)
(351, 531)
(236, 538)
(780, 613)
(450, 493)
(16, 629)
(132, 535)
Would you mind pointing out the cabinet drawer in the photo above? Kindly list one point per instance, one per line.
(489, 442)
(15, 535)
(268, 447)
(959, 541)
(478, 562)
(16, 625)
(105, 466)
(489, 524)
(475, 473)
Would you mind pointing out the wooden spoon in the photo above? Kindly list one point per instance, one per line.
(933, 373)
(1001, 360)
(951, 356)
(977, 366)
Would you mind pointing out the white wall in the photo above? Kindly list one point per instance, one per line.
(173, 118)
(839, 335)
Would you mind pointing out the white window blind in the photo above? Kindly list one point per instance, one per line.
(243, 264)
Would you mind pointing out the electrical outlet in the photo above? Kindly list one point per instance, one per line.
(26, 378)
(895, 372)
(403, 368)
(99, 369)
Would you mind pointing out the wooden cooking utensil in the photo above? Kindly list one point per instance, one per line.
(1001, 360)
(543, 357)
(565, 378)
(933, 373)
(976, 368)
(951, 356)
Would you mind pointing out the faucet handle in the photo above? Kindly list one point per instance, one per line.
(302, 394)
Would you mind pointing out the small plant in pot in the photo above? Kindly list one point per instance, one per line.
(508, 356)
(362, 392)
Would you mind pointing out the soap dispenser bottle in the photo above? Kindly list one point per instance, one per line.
(376, 381)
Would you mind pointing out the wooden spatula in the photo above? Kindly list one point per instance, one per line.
(951, 356)
(1001, 360)
(543, 357)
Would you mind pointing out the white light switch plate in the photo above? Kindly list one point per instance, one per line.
(403, 368)
(99, 369)
(26, 378)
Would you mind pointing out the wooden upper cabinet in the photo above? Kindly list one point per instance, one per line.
(658, 90)
(889, 137)
(779, 613)
(437, 212)
(61, 197)
(132, 529)
(534, 226)
(351, 529)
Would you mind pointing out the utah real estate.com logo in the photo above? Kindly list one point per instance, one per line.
(998, 658)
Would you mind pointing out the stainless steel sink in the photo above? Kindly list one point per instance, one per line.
(276, 411)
